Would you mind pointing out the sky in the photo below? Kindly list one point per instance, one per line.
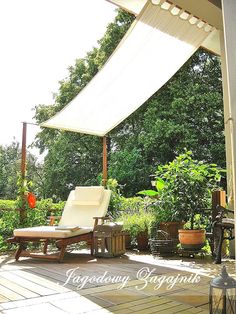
(39, 40)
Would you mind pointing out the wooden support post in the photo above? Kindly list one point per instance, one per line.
(228, 64)
(23, 170)
(218, 198)
(104, 162)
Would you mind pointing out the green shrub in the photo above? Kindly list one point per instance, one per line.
(187, 189)
(133, 212)
(10, 217)
(47, 204)
(7, 204)
(116, 198)
(135, 223)
(135, 215)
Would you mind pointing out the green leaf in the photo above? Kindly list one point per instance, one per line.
(148, 193)
(160, 184)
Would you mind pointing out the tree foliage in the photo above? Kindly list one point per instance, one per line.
(73, 159)
(9, 166)
(186, 113)
(10, 170)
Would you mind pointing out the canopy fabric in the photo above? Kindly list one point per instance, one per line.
(203, 8)
(158, 43)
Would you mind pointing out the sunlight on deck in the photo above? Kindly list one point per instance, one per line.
(134, 283)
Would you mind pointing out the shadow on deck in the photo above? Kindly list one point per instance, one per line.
(133, 283)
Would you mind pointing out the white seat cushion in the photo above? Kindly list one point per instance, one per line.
(49, 232)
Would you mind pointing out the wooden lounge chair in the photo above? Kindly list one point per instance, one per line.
(83, 209)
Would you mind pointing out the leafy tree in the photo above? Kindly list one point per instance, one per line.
(187, 112)
(128, 167)
(69, 164)
(10, 167)
(75, 159)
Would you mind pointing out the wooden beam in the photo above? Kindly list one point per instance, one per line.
(23, 151)
(23, 169)
(216, 3)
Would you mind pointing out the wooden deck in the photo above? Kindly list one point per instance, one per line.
(34, 286)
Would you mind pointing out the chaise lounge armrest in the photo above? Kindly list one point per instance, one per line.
(221, 215)
(53, 218)
(103, 218)
(223, 229)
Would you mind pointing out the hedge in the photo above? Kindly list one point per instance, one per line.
(10, 217)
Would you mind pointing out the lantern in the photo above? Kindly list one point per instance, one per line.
(31, 199)
(222, 298)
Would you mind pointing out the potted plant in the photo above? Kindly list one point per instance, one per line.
(193, 236)
(136, 222)
(161, 204)
(187, 188)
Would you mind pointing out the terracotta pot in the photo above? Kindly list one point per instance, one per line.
(192, 239)
(171, 228)
(142, 240)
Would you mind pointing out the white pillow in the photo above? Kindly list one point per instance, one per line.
(88, 195)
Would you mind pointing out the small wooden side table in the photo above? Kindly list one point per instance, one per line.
(109, 240)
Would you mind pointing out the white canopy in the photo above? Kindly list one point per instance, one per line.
(202, 8)
(159, 42)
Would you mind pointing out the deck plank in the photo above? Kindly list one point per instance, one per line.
(148, 304)
(9, 294)
(17, 288)
(132, 303)
(39, 285)
(38, 308)
(3, 299)
(41, 281)
(180, 308)
(157, 308)
(55, 277)
(193, 310)
(39, 300)
(36, 288)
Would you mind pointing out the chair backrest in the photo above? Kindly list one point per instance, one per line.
(83, 204)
